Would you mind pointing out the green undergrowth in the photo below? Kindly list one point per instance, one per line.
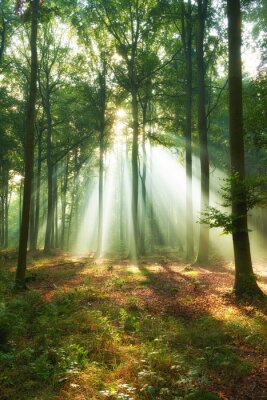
(81, 340)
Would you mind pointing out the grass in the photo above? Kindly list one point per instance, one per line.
(119, 332)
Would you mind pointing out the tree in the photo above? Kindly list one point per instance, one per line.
(128, 29)
(29, 150)
(52, 54)
(203, 249)
(186, 19)
(245, 281)
(6, 26)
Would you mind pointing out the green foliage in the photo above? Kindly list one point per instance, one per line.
(255, 116)
(202, 395)
(224, 358)
(252, 190)
(217, 219)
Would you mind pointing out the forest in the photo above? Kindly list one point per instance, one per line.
(133, 194)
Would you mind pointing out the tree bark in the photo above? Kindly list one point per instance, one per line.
(245, 281)
(2, 221)
(55, 206)
(100, 194)
(135, 245)
(64, 203)
(122, 205)
(38, 186)
(203, 247)
(102, 118)
(144, 194)
(74, 198)
(32, 217)
(29, 151)
(187, 44)
(2, 37)
(151, 205)
(50, 213)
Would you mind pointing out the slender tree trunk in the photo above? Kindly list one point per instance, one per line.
(38, 186)
(6, 221)
(1, 201)
(187, 44)
(20, 204)
(55, 206)
(64, 203)
(4, 174)
(32, 217)
(203, 249)
(100, 194)
(245, 281)
(121, 203)
(1, 223)
(74, 198)
(5, 207)
(144, 194)
(102, 118)
(50, 214)
(2, 220)
(2, 37)
(70, 223)
(29, 151)
(152, 213)
(135, 245)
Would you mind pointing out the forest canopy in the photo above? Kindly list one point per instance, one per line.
(115, 122)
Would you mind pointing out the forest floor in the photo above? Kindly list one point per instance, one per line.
(111, 330)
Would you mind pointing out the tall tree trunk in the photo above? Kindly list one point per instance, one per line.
(38, 186)
(100, 194)
(203, 248)
(50, 214)
(122, 205)
(20, 203)
(2, 37)
(74, 198)
(4, 174)
(102, 117)
(55, 206)
(29, 151)
(5, 204)
(2, 221)
(135, 245)
(1, 211)
(64, 203)
(32, 217)
(144, 194)
(6, 219)
(152, 213)
(245, 281)
(187, 44)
